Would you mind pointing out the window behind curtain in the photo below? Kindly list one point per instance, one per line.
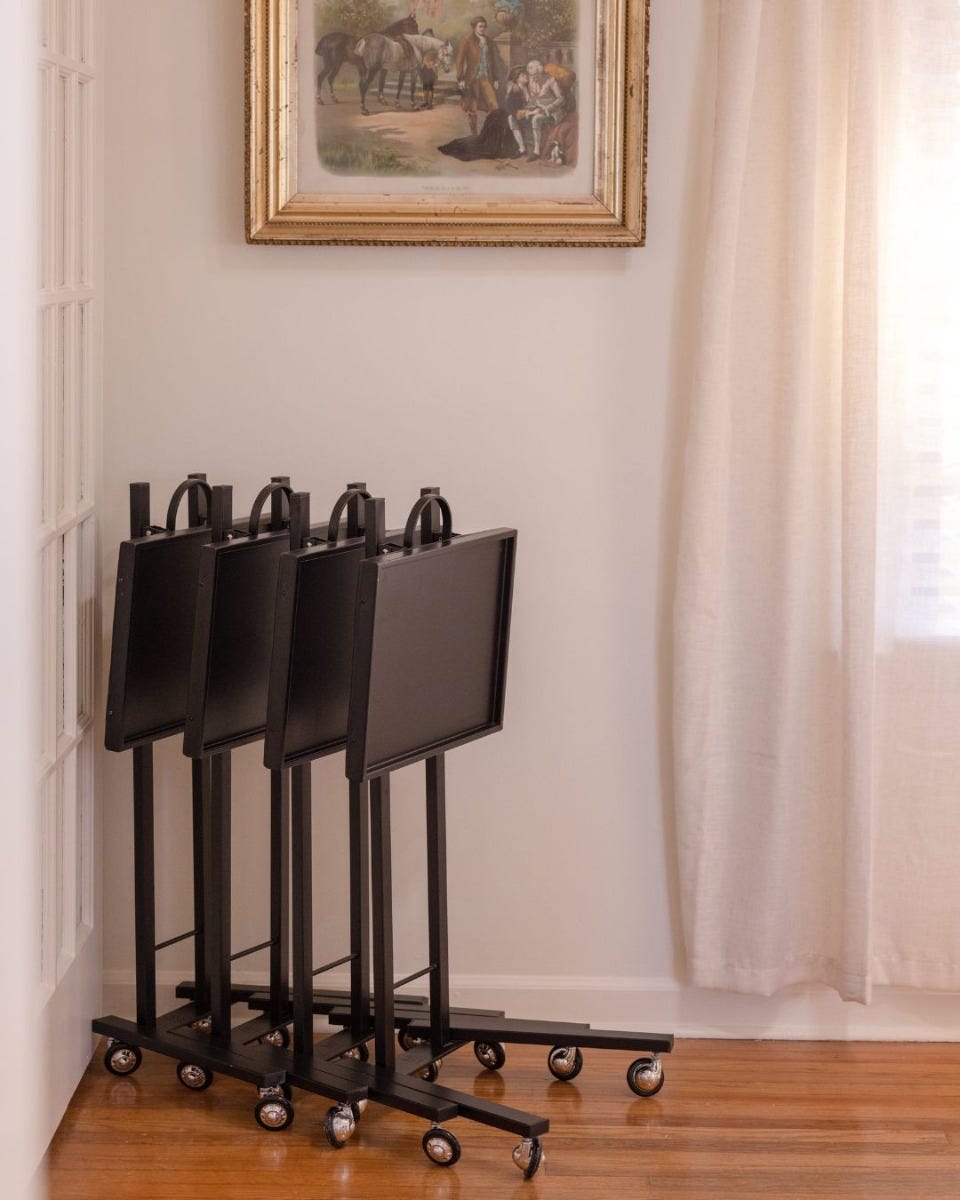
(920, 424)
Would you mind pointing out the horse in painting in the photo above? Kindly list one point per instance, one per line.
(335, 49)
(404, 55)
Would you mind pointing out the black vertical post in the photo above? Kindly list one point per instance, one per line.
(427, 534)
(277, 502)
(221, 511)
(299, 520)
(200, 768)
(359, 908)
(437, 903)
(216, 873)
(139, 509)
(384, 1045)
(215, 836)
(374, 526)
(144, 884)
(197, 502)
(355, 510)
(436, 858)
(144, 896)
(301, 829)
(198, 514)
(279, 895)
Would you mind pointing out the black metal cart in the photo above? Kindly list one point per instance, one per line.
(226, 708)
(429, 674)
(153, 630)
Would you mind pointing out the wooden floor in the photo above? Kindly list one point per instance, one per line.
(735, 1119)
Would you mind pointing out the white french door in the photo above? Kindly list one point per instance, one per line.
(69, 325)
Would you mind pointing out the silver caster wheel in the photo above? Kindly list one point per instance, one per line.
(529, 1157)
(490, 1055)
(338, 1125)
(357, 1053)
(273, 1110)
(408, 1040)
(194, 1077)
(203, 1025)
(277, 1037)
(431, 1072)
(565, 1062)
(121, 1059)
(645, 1076)
(441, 1147)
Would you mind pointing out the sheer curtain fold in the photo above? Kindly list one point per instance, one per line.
(782, 720)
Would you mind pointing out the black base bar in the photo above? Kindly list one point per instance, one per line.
(397, 1089)
(190, 1046)
(545, 1033)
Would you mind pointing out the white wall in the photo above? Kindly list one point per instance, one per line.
(541, 388)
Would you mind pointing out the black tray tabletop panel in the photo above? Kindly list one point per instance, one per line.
(233, 641)
(153, 624)
(430, 650)
(312, 654)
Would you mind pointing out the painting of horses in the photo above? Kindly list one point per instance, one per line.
(446, 122)
(445, 93)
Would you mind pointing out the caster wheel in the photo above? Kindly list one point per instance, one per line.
(359, 1053)
(277, 1037)
(645, 1076)
(194, 1077)
(431, 1072)
(490, 1055)
(565, 1062)
(338, 1125)
(529, 1157)
(441, 1147)
(121, 1059)
(274, 1113)
(408, 1040)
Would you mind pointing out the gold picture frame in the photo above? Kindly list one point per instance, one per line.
(285, 203)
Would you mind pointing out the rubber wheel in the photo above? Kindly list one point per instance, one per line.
(490, 1055)
(441, 1147)
(121, 1059)
(359, 1053)
(431, 1072)
(536, 1160)
(407, 1040)
(557, 1056)
(193, 1077)
(274, 1113)
(277, 1037)
(639, 1086)
(336, 1129)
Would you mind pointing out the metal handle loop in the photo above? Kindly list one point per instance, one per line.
(417, 512)
(261, 499)
(338, 510)
(188, 485)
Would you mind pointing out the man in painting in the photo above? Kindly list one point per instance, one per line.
(479, 70)
(546, 105)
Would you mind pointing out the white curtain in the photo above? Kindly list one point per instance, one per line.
(817, 624)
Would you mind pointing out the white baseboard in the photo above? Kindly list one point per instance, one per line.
(658, 1005)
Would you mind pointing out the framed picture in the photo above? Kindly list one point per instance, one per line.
(447, 122)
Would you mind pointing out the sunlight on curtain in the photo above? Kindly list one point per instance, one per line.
(920, 331)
